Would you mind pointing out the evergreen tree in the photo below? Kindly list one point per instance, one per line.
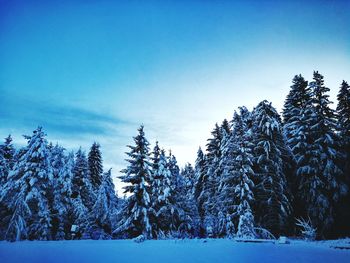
(188, 175)
(165, 204)
(95, 166)
(82, 186)
(343, 117)
(236, 195)
(30, 180)
(190, 221)
(272, 205)
(298, 97)
(155, 157)
(343, 127)
(225, 127)
(200, 172)
(57, 160)
(7, 153)
(104, 209)
(244, 186)
(62, 204)
(136, 216)
(324, 188)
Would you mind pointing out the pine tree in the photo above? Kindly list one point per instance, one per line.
(104, 210)
(272, 205)
(136, 221)
(343, 128)
(200, 172)
(210, 182)
(155, 157)
(95, 166)
(31, 180)
(245, 185)
(225, 127)
(7, 153)
(190, 221)
(236, 195)
(18, 225)
(165, 204)
(4, 169)
(82, 185)
(324, 188)
(298, 97)
(62, 204)
(188, 175)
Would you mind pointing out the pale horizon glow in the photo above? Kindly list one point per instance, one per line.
(96, 70)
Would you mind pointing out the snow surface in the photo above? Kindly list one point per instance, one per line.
(168, 251)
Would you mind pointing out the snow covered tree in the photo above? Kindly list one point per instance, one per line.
(343, 128)
(236, 184)
(18, 226)
(57, 159)
(243, 176)
(324, 188)
(82, 186)
(297, 112)
(298, 97)
(272, 206)
(174, 170)
(4, 170)
(188, 175)
(7, 152)
(30, 180)
(104, 210)
(95, 166)
(210, 183)
(61, 203)
(155, 157)
(200, 173)
(135, 220)
(165, 204)
(225, 127)
(190, 221)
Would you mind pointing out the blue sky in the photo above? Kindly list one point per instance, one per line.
(96, 70)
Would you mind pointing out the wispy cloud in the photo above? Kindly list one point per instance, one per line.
(24, 113)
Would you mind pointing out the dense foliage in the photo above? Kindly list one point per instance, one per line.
(259, 176)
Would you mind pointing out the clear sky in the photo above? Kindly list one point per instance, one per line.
(95, 70)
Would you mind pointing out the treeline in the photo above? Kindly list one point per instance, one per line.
(44, 191)
(257, 175)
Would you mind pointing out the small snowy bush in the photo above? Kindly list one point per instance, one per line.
(307, 230)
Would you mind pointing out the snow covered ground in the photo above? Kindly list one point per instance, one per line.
(168, 251)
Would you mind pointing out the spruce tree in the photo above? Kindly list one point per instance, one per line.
(62, 202)
(82, 183)
(7, 152)
(343, 128)
(236, 184)
(104, 210)
(31, 180)
(165, 205)
(135, 220)
(95, 166)
(272, 207)
(325, 188)
(200, 173)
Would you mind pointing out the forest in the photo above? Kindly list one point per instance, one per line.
(261, 174)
